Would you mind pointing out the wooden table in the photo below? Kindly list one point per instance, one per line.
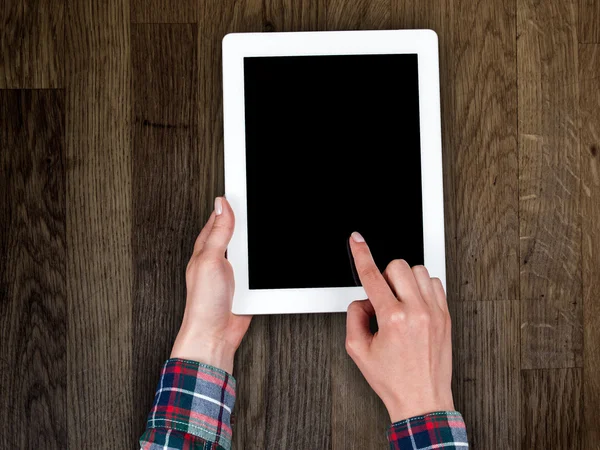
(111, 152)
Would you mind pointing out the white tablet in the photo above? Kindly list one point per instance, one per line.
(327, 133)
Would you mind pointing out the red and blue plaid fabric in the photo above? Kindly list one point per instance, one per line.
(192, 411)
(192, 408)
(444, 429)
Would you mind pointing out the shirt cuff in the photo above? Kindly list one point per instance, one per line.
(429, 431)
(194, 398)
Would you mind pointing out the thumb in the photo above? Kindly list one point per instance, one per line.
(222, 228)
(358, 334)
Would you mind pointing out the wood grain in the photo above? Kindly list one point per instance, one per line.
(217, 18)
(549, 177)
(166, 191)
(251, 371)
(589, 103)
(358, 14)
(99, 274)
(105, 185)
(486, 172)
(551, 411)
(589, 18)
(298, 402)
(551, 333)
(10, 44)
(295, 15)
(33, 320)
(287, 398)
(359, 418)
(31, 44)
(164, 11)
(485, 380)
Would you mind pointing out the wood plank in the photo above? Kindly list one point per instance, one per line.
(284, 392)
(551, 411)
(31, 44)
(549, 177)
(33, 305)
(295, 15)
(589, 102)
(164, 11)
(358, 14)
(298, 401)
(485, 381)
(167, 214)
(10, 44)
(439, 16)
(486, 150)
(359, 418)
(99, 275)
(251, 370)
(589, 18)
(551, 333)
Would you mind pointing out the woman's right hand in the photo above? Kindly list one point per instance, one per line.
(408, 361)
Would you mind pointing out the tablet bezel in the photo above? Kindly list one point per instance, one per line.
(236, 47)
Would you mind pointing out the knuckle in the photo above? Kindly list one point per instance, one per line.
(354, 306)
(190, 267)
(420, 269)
(397, 264)
(397, 317)
(210, 263)
(438, 283)
(351, 346)
(448, 319)
(438, 317)
(423, 318)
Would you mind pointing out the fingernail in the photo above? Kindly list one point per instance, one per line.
(218, 206)
(357, 237)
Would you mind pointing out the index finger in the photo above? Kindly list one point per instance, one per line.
(372, 280)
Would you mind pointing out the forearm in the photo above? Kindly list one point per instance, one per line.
(434, 430)
(192, 408)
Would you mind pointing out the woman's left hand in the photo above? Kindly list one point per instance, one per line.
(210, 333)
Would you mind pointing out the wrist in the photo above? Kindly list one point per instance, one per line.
(400, 412)
(213, 352)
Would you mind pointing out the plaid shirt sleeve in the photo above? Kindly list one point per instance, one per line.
(192, 408)
(443, 429)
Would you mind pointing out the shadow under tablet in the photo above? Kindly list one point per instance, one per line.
(332, 147)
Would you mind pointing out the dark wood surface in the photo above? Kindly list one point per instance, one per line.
(165, 184)
(548, 396)
(111, 152)
(33, 302)
(31, 44)
(99, 224)
(589, 102)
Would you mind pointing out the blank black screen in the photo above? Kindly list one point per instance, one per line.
(332, 146)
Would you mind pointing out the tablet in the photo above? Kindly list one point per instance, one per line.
(327, 133)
